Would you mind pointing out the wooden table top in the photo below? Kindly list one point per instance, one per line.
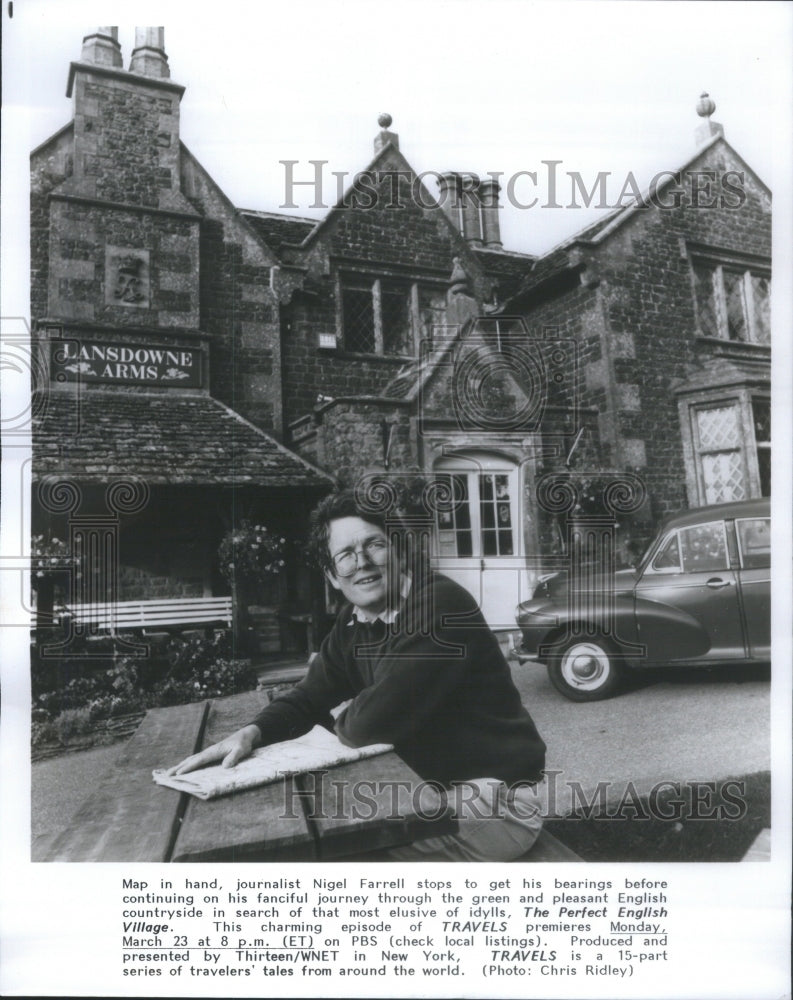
(340, 812)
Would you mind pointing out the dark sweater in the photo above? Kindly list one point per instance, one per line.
(439, 690)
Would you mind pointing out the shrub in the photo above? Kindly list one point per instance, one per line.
(73, 722)
(188, 669)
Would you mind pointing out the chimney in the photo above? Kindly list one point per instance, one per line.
(472, 216)
(102, 48)
(384, 137)
(488, 199)
(705, 108)
(148, 56)
(459, 198)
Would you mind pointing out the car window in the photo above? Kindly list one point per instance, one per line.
(668, 557)
(754, 539)
(704, 548)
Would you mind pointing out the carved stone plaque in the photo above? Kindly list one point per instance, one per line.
(127, 277)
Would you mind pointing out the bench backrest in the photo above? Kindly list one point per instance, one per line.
(119, 615)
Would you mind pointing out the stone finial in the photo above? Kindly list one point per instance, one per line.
(382, 139)
(705, 105)
(102, 48)
(705, 108)
(148, 56)
(459, 281)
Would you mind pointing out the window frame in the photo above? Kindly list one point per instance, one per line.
(748, 268)
(739, 541)
(742, 397)
(380, 285)
(473, 466)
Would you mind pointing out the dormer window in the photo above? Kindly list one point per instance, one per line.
(388, 316)
(733, 302)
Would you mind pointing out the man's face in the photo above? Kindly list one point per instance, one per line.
(359, 562)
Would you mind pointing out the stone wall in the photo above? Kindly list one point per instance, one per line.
(637, 330)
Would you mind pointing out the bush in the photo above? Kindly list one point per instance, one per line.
(185, 669)
(73, 722)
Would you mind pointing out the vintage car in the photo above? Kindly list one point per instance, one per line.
(699, 596)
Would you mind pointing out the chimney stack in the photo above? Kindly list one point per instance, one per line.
(472, 206)
(489, 189)
(102, 48)
(705, 108)
(148, 56)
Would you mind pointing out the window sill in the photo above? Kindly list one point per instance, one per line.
(733, 348)
(395, 359)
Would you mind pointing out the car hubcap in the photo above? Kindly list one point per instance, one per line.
(585, 665)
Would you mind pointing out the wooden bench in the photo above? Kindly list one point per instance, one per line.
(120, 616)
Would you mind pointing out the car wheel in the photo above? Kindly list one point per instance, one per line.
(585, 669)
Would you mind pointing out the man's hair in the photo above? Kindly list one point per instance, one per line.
(343, 503)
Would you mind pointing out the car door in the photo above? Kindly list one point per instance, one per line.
(691, 576)
(754, 549)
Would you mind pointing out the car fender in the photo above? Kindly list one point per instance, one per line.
(544, 622)
(669, 633)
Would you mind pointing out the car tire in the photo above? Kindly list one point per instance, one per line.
(585, 669)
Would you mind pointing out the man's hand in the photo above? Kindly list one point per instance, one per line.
(230, 751)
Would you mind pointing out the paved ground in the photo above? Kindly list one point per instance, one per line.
(682, 726)
(678, 726)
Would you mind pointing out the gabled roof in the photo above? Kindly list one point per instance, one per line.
(409, 380)
(277, 229)
(389, 150)
(563, 257)
(161, 438)
(506, 267)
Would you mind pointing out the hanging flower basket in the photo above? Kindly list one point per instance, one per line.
(251, 555)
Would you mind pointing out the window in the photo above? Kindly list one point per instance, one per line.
(720, 454)
(730, 447)
(668, 558)
(395, 318)
(733, 303)
(480, 518)
(454, 523)
(432, 314)
(754, 542)
(388, 316)
(358, 309)
(761, 413)
(495, 514)
(704, 548)
(701, 548)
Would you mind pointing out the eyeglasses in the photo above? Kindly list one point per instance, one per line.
(347, 562)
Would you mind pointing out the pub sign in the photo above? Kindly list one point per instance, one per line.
(148, 364)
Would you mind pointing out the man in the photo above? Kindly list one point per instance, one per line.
(410, 661)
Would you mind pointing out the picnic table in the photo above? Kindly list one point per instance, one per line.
(310, 817)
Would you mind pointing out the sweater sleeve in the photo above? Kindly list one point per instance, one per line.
(413, 681)
(294, 712)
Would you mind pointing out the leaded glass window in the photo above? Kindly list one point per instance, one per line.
(721, 460)
(359, 329)
(733, 303)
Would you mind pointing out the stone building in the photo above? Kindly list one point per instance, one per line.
(669, 300)
(158, 412)
(394, 336)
